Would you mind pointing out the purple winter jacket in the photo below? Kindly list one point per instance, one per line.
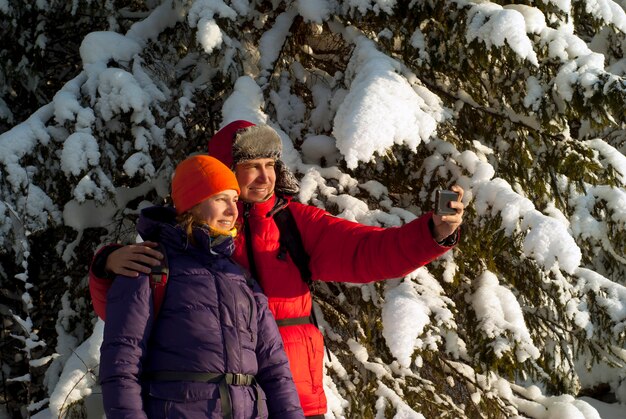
(210, 321)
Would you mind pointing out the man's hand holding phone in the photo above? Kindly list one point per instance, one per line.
(442, 201)
(448, 214)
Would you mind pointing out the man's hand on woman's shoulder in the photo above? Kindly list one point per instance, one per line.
(133, 259)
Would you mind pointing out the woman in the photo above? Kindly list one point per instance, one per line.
(214, 350)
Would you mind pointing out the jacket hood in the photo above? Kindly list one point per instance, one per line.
(220, 145)
(158, 224)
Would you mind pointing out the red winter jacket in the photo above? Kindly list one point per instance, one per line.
(340, 251)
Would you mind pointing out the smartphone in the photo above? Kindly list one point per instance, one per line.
(442, 202)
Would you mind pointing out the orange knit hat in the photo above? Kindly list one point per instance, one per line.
(199, 177)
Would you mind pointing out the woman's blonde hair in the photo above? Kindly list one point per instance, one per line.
(187, 220)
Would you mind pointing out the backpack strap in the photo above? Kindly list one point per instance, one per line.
(291, 241)
(158, 280)
(248, 235)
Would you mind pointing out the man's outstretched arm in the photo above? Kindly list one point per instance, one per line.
(346, 251)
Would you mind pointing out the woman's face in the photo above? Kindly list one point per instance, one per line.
(219, 211)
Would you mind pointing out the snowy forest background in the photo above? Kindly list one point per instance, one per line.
(379, 103)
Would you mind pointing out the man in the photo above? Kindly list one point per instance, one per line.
(339, 250)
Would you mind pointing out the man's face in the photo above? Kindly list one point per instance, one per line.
(257, 179)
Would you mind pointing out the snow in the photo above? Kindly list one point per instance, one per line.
(119, 92)
(79, 376)
(605, 410)
(201, 16)
(608, 11)
(402, 313)
(493, 25)
(167, 14)
(245, 103)
(409, 309)
(380, 109)
(67, 107)
(316, 147)
(611, 156)
(534, 20)
(534, 93)
(31, 132)
(383, 105)
(313, 10)
(499, 315)
(272, 40)
(104, 46)
(79, 151)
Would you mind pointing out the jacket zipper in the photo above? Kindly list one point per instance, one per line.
(252, 303)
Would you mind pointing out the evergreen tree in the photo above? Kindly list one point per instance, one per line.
(383, 103)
